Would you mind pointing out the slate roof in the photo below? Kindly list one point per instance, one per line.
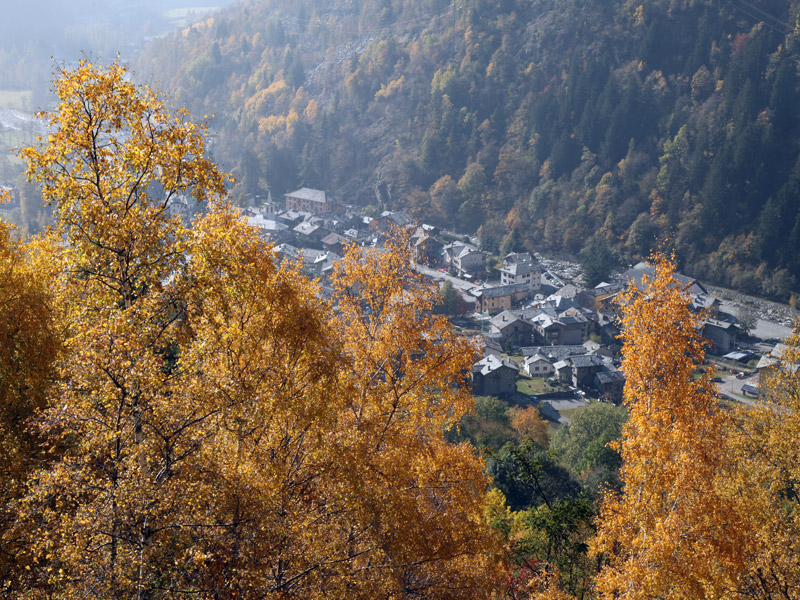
(536, 358)
(529, 313)
(703, 301)
(396, 217)
(306, 228)
(608, 377)
(635, 275)
(774, 357)
(520, 263)
(498, 291)
(506, 318)
(585, 361)
(309, 194)
(335, 238)
(720, 324)
(553, 352)
(568, 291)
(492, 363)
(266, 224)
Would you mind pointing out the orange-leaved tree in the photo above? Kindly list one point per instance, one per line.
(101, 515)
(765, 476)
(671, 532)
(221, 430)
(417, 499)
(29, 346)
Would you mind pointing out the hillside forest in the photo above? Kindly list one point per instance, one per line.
(540, 125)
(184, 416)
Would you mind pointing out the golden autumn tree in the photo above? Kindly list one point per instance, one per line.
(29, 345)
(102, 516)
(222, 430)
(671, 532)
(418, 499)
(764, 478)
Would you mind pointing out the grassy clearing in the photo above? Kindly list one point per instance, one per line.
(19, 99)
(533, 385)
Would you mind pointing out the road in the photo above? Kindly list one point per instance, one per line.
(557, 404)
(731, 387)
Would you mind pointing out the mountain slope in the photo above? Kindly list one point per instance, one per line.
(538, 124)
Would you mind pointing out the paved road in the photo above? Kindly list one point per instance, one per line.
(557, 405)
(732, 387)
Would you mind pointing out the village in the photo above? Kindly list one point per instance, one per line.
(545, 338)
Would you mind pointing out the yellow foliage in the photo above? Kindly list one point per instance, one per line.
(387, 91)
(216, 427)
(765, 474)
(670, 533)
(527, 422)
(311, 111)
(29, 345)
(276, 88)
(271, 125)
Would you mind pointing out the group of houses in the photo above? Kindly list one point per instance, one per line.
(525, 313)
(571, 333)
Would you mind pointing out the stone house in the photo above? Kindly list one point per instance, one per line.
(513, 329)
(494, 376)
(579, 370)
(464, 259)
(566, 330)
(721, 334)
(610, 384)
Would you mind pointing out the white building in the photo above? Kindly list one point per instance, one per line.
(521, 267)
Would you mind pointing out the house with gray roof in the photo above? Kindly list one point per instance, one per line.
(538, 365)
(772, 369)
(610, 384)
(334, 242)
(514, 330)
(497, 298)
(268, 229)
(554, 353)
(579, 370)
(566, 330)
(721, 334)
(635, 275)
(494, 376)
(464, 259)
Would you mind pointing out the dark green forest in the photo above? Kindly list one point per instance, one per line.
(541, 125)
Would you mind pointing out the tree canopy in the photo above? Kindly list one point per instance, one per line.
(214, 427)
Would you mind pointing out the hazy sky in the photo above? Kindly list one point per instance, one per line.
(32, 32)
(47, 22)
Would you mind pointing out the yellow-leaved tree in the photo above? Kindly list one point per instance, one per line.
(764, 477)
(219, 429)
(29, 345)
(102, 513)
(673, 531)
